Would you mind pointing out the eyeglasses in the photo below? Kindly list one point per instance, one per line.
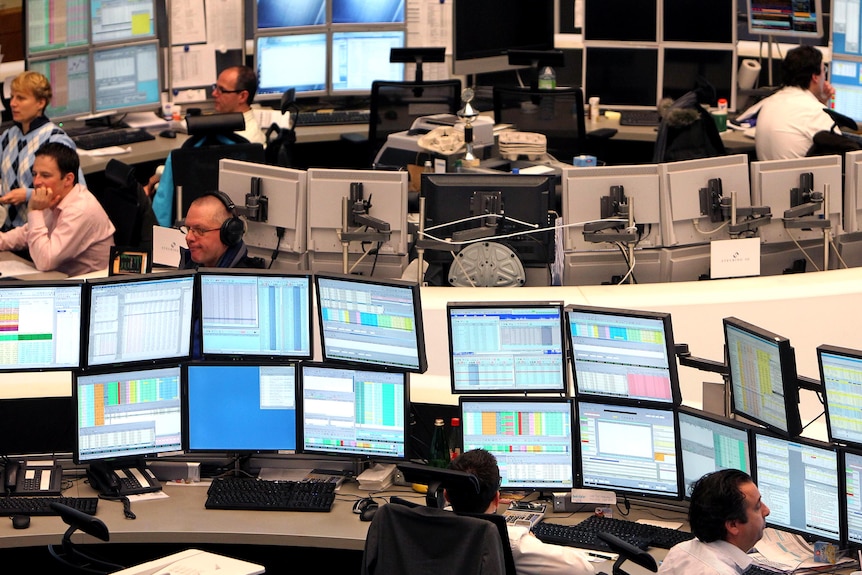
(217, 88)
(196, 232)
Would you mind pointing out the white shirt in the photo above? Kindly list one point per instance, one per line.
(535, 557)
(787, 122)
(693, 557)
(252, 131)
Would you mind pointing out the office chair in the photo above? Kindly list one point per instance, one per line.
(127, 206)
(71, 556)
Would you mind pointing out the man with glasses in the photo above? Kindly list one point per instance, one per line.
(234, 92)
(214, 235)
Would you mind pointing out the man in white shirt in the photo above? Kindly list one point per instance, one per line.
(727, 516)
(789, 118)
(233, 92)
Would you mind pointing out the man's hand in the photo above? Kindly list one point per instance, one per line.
(826, 94)
(14, 197)
(43, 198)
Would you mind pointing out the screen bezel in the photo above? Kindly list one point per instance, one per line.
(454, 307)
(847, 353)
(765, 31)
(845, 507)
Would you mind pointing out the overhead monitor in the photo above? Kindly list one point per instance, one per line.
(463, 208)
(359, 58)
(623, 77)
(841, 377)
(796, 18)
(371, 322)
(282, 225)
(249, 313)
(136, 319)
(786, 184)
(710, 443)
(40, 325)
(368, 11)
(623, 354)
(307, 72)
(481, 45)
(763, 381)
(353, 411)
(126, 78)
(715, 22)
(610, 193)
(845, 39)
(602, 21)
(800, 482)
(122, 20)
(845, 76)
(506, 347)
(247, 407)
(531, 438)
(69, 75)
(852, 508)
(630, 449)
(684, 68)
(54, 26)
(290, 13)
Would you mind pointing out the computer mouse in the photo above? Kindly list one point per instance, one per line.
(20, 521)
(168, 134)
(368, 513)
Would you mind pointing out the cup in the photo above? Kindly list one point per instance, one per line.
(594, 108)
(720, 117)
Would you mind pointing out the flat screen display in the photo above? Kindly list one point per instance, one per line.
(307, 72)
(126, 78)
(69, 75)
(852, 462)
(801, 18)
(360, 57)
(841, 377)
(622, 76)
(367, 11)
(290, 13)
(56, 25)
(122, 20)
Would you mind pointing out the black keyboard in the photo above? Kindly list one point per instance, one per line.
(42, 505)
(662, 537)
(260, 495)
(333, 118)
(639, 118)
(111, 137)
(580, 536)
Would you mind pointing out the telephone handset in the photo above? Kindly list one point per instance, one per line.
(33, 478)
(122, 481)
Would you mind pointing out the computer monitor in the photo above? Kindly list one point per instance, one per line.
(480, 44)
(623, 77)
(371, 322)
(622, 354)
(69, 75)
(126, 78)
(762, 372)
(247, 407)
(36, 425)
(610, 193)
(682, 68)
(464, 207)
(796, 18)
(852, 509)
(40, 325)
(367, 11)
(531, 438)
(841, 377)
(844, 75)
(122, 20)
(798, 479)
(137, 319)
(506, 347)
(845, 39)
(55, 26)
(290, 13)
(248, 313)
(710, 443)
(602, 21)
(307, 70)
(715, 22)
(631, 449)
(360, 57)
(353, 411)
(692, 191)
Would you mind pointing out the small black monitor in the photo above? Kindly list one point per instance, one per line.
(376, 322)
(852, 471)
(353, 411)
(248, 313)
(841, 376)
(36, 425)
(604, 20)
(795, 18)
(763, 382)
(247, 407)
(623, 354)
(506, 347)
(624, 76)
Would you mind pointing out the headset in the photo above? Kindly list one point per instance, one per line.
(233, 228)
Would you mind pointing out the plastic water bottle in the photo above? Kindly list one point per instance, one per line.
(547, 79)
(438, 455)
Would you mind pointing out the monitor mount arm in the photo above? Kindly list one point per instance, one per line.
(256, 207)
(617, 214)
(354, 213)
(719, 208)
(804, 201)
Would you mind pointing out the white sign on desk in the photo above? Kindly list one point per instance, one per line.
(166, 246)
(734, 258)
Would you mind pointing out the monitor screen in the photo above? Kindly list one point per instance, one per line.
(247, 407)
(36, 425)
(623, 77)
(139, 318)
(127, 413)
(455, 206)
(531, 438)
(841, 377)
(853, 496)
(618, 353)
(40, 325)
(290, 13)
(846, 24)
(122, 20)
(367, 11)
(709, 443)
(353, 412)
(502, 347)
(798, 479)
(798, 18)
(715, 22)
(374, 322)
(255, 313)
(307, 72)
(684, 67)
(630, 449)
(602, 21)
(56, 26)
(69, 76)
(763, 381)
(360, 57)
(845, 75)
(126, 78)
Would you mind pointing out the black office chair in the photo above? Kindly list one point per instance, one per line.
(127, 206)
(687, 130)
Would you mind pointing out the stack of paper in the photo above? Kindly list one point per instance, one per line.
(376, 478)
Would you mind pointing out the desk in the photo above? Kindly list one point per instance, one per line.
(13, 266)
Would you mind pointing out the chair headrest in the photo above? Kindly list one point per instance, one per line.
(215, 124)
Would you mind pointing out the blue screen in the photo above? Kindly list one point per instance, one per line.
(290, 13)
(367, 11)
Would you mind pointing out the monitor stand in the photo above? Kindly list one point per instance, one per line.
(237, 470)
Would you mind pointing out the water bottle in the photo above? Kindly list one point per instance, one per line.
(547, 79)
(455, 438)
(438, 455)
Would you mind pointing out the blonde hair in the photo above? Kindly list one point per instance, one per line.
(34, 83)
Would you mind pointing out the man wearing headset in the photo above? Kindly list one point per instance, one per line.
(214, 235)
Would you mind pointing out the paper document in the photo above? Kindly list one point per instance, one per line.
(789, 552)
(194, 562)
